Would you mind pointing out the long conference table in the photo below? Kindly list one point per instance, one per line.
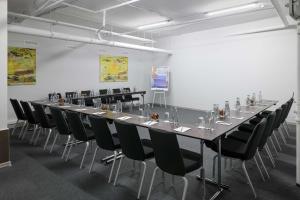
(187, 130)
(110, 96)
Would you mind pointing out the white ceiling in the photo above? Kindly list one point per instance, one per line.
(128, 18)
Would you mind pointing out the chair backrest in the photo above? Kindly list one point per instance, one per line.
(277, 118)
(116, 91)
(102, 133)
(18, 110)
(88, 102)
(167, 152)
(70, 94)
(130, 141)
(254, 140)
(86, 93)
(285, 108)
(103, 91)
(289, 103)
(28, 112)
(41, 115)
(268, 129)
(60, 121)
(76, 126)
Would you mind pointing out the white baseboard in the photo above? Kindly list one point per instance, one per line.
(6, 164)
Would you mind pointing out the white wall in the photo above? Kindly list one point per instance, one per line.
(210, 67)
(61, 68)
(3, 64)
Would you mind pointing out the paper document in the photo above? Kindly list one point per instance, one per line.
(98, 113)
(150, 123)
(124, 118)
(182, 129)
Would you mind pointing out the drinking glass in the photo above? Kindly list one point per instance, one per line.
(238, 104)
(201, 122)
(167, 117)
(227, 109)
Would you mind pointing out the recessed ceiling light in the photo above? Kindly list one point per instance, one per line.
(158, 24)
(245, 7)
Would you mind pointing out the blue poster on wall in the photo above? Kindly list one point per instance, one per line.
(160, 78)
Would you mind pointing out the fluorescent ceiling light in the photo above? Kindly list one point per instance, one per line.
(158, 24)
(118, 5)
(236, 9)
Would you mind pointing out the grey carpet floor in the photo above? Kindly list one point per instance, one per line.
(39, 175)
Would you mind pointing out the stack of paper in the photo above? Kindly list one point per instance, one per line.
(150, 123)
(124, 118)
(182, 129)
(98, 113)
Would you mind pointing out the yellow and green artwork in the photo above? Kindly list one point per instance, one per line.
(113, 69)
(21, 66)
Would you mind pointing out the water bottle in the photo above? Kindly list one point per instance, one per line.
(248, 100)
(238, 104)
(227, 109)
(253, 98)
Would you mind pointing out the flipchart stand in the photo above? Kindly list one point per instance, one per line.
(161, 94)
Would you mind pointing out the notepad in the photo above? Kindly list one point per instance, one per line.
(124, 118)
(237, 118)
(98, 113)
(223, 123)
(81, 109)
(182, 129)
(65, 106)
(150, 123)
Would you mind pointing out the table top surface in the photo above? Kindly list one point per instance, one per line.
(236, 118)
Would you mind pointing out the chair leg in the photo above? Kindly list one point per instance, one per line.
(273, 145)
(25, 131)
(22, 130)
(248, 178)
(48, 138)
(113, 166)
(267, 149)
(54, 141)
(282, 136)
(202, 170)
(94, 156)
(142, 180)
(225, 163)
(72, 141)
(263, 164)
(186, 184)
(118, 170)
(276, 139)
(260, 172)
(87, 144)
(34, 132)
(287, 128)
(15, 127)
(151, 184)
(66, 146)
(38, 136)
(214, 166)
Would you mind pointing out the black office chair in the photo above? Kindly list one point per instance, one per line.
(85, 93)
(115, 99)
(45, 122)
(80, 133)
(20, 116)
(105, 140)
(62, 128)
(31, 118)
(248, 127)
(88, 101)
(129, 97)
(284, 124)
(235, 149)
(244, 137)
(133, 148)
(172, 159)
(104, 100)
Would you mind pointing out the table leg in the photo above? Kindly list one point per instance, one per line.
(143, 98)
(221, 187)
